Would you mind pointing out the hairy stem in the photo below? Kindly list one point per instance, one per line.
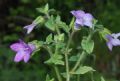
(82, 56)
(66, 56)
(57, 73)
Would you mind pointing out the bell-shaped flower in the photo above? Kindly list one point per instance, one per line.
(30, 27)
(113, 40)
(82, 19)
(23, 51)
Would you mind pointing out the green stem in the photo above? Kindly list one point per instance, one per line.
(78, 77)
(57, 73)
(92, 78)
(55, 67)
(82, 56)
(66, 56)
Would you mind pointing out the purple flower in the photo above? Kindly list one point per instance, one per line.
(113, 40)
(82, 18)
(23, 51)
(30, 27)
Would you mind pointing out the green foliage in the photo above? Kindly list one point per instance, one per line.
(55, 59)
(50, 24)
(49, 39)
(87, 45)
(48, 78)
(44, 9)
(83, 70)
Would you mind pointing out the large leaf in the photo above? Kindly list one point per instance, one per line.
(55, 59)
(83, 70)
(87, 45)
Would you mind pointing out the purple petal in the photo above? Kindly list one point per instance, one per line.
(30, 28)
(19, 56)
(26, 57)
(116, 35)
(79, 21)
(78, 13)
(115, 42)
(88, 17)
(110, 46)
(88, 23)
(16, 47)
(109, 37)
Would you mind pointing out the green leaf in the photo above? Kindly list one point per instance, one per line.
(74, 58)
(49, 39)
(61, 24)
(102, 79)
(83, 70)
(44, 9)
(55, 59)
(87, 45)
(59, 37)
(50, 24)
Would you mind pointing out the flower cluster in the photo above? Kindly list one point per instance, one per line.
(24, 50)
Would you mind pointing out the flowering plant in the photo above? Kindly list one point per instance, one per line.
(67, 65)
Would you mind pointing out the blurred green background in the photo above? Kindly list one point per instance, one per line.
(14, 14)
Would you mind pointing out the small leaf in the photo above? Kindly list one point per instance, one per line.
(55, 59)
(74, 58)
(44, 9)
(59, 37)
(49, 39)
(83, 70)
(87, 45)
(50, 24)
(61, 24)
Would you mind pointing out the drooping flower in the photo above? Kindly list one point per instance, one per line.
(113, 40)
(82, 19)
(30, 27)
(23, 51)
